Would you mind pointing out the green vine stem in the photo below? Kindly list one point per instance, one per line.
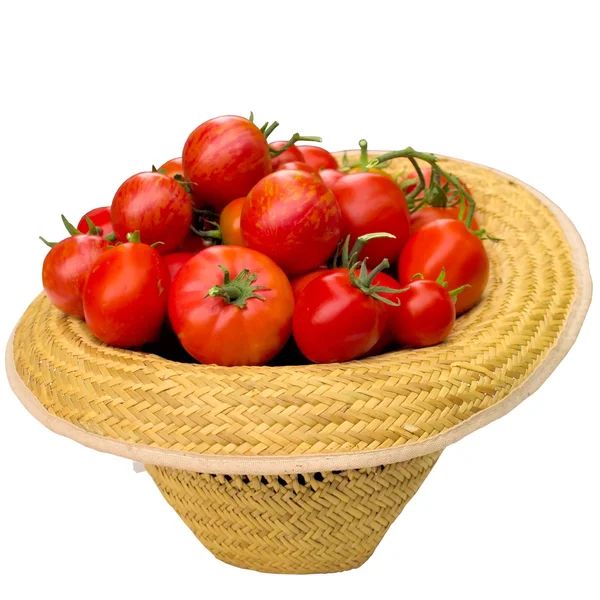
(345, 258)
(238, 290)
(295, 138)
(364, 281)
(72, 230)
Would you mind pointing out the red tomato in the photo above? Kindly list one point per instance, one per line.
(300, 282)
(156, 206)
(375, 170)
(425, 316)
(318, 157)
(414, 178)
(294, 219)
(175, 261)
(100, 217)
(125, 295)
(172, 167)
(65, 268)
(242, 317)
(298, 166)
(427, 214)
(292, 154)
(229, 221)
(223, 158)
(387, 337)
(334, 321)
(193, 243)
(330, 176)
(373, 203)
(447, 244)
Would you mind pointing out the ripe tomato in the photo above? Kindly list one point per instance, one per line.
(409, 183)
(65, 268)
(100, 217)
(387, 337)
(231, 306)
(193, 243)
(292, 154)
(125, 295)
(223, 158)
(372, 203)
(335, 321)
(156, 206)
(294, 219)
(298, 166)
(427, 214)
(318, 157)
(447, 244)
(175, 261)
(426, 314)
(300, 282)
(172, 167)
(375, 170)
(229, 221)
(330, 176)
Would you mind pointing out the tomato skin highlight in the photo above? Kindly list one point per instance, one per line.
(372, 203)
(172, 167)
(100, 217)
(125, 295)
(427, 214)
(156, 206)
(330, 176)
(229, 222)
(292, 217)
(318, 157)
(300, 282)
(65, 269)
(215, 332)
(425, 316)
(223, 159)
(336, 322)
(175, 261)
(447, 244)
(292, 154)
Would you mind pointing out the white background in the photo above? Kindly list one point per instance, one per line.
(93, 92)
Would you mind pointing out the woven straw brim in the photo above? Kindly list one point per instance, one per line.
(300, 419)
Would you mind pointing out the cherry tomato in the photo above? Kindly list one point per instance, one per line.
(334, 321)
(300, 282)
(172, 167)
(156, 206)
(292, 154)
(231, 306)
(447, 244)
(426, 314)
(372, 203)
(193, 243)
(100, 217)
(65, 268)
(318, 157)
(387, 337)
(427, 214)
(175, 261)
(125, 295)
(223, 158)
(294, 219)
(413, 178)
(229, 221)
(330, 176)
(298, 166)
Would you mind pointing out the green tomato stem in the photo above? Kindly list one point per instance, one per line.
(239, 290)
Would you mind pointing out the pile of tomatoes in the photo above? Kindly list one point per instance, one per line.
(243, 247)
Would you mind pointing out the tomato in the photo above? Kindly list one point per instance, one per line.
(426, 314)
(65, 268)
(298, 166)
(175, 261)
(229, 221)
(223, 159)
(330, 176)
(372, 203)
(172, 167)
(292, 154)
(387, 337)
(409, 183)
(156, 206)
(300, 282)
(125, 295)
(193, 243)
(335, 321)
(318, 157)
(447, 244)
(231, 306)
(294, 219)
(427, 214)
(100, 217)
(375, 170)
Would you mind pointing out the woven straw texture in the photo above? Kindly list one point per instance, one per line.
(318, 523)
(383, 402)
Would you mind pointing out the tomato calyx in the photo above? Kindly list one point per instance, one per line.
(268, 128)
(363, 164)
(362, 278)
(72, 230)
(180, 179)
(345, 258)
(441, 280)
(237, 290)
(208, 225)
